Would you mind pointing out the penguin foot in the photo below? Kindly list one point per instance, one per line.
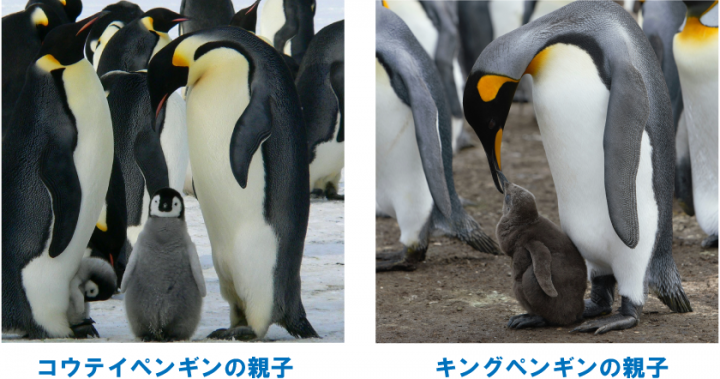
(594, 310)
(238, 333)
(404, 260)
(711, 241)
(628, 317)
(525, 321)
(85, 329)
(332, 194)
(602, 296)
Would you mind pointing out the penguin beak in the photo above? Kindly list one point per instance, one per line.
(179, 20)
(159, 108)
(86, 26)
(163, 77)
(486, 103)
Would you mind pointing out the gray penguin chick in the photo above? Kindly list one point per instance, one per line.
(163, 282)
(549, 273)
(95, 280)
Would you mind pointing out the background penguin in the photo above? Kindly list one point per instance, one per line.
(22, 36)
(131, 48)
(573, 55)
(320, 86)
(67, 10)
(289, 25)
(120, 14)
(205, 14)
(57, 158)
(253, 192)
(549, 273)
(94, 281)
(695, 50)
(661, 21)
(414, 164)
(164, 283)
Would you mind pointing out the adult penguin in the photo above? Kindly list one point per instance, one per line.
(695, 50)
(57, 158)
(661, 21)
(605, 117)
(67, 10)
(249, 158)
(320, 86)
(22, 36)
(120, 14)
(205, 14)
(414, 180)
(131, 48)
(289, 25)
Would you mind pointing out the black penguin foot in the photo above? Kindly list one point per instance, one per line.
(317, 193)
(628, 317)
(404, 260)
(238, 333)
(711, 241)
(525, 321)
(85, 329)
(594, 310)
(602, 296)
(332, 194)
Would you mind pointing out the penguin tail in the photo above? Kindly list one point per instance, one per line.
(470, 232)
(664, 280)
(301, 328)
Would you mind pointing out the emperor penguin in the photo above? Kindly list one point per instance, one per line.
(67, 10)
(414, 180)
(205, 14)
(289, 25)
(695, 50)
(164, 283)
(248, 153)
(22, 35)
(131, 48)
(120, 14)
(95, 280)
(605, 117)
(661, 21)
(57, 158)
(320, 86)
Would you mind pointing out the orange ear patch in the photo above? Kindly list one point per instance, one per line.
(489, 85)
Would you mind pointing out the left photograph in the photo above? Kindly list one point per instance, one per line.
(172, 170)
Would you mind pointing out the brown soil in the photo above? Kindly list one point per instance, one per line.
(461, 295)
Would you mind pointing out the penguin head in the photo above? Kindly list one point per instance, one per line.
(161, 20)
(486, 103)
(519, 203)
(73, 8)
(43, 18)
(166, 74)
(167, 203)
(246, 18)
(63, 46)
(101, 281)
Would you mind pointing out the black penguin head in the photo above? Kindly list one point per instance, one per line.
(167, 203)
(101, 282)
(165, 74)
(43, 18)
(486, 103)
(122, 11)
(161, 19)
(246, 18)
(63, 46)
(519, 203)
(73, 8)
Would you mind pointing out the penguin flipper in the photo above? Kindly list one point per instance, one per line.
(628, 112)
(195, 266)
(542, 263)
(323, 120)
(58, 173)
(132, 262)
(337, 82)
(251, 130)
(148, 154)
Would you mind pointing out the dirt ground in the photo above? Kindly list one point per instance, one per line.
(462, 295)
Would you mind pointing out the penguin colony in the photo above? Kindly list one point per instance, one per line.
(97, 144)
(608, 97)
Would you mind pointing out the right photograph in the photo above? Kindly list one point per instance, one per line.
(546, 171)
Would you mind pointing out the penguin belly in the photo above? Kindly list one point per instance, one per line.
(419, 23)
(46, 280)
(401, 189)
(174, 142)
(506, 16)
(697, 63)
(244, 244)
(272, 19)
(571, 104)
(329, 161)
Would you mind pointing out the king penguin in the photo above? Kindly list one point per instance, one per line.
(22, 36)
(289, 25)
(131, 48)
(248, 153)
(606, 121)
(57, 158)
(414, 180)
(67, 10)
(120, 14)
(205, 14)
(320, 86)
(695, 50)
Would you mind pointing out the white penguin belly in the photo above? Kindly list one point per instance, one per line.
(244, 245)
(272, 18)
(697, 63)
(329, 160)
(419, 23)
(571, 105)
(47, 280)
(401, 188)
(506, 16)
(133, 231)
(174, 141)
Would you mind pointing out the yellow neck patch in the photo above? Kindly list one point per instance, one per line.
(48, 63)
(489, 85)
(696, 32)
(39, 17)
(179, 60)
(148, 22)
(384, 3)
(537, 63)
(498, 145)
(63, 2)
